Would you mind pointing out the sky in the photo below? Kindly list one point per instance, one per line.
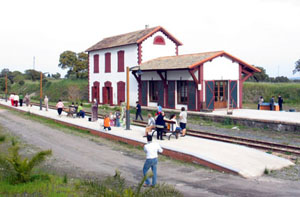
(263, 33)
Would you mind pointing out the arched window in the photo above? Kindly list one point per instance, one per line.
(159, 40)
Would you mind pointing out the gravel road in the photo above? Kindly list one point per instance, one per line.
(87, 156)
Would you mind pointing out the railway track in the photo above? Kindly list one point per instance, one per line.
(264, 145)
(275, 147)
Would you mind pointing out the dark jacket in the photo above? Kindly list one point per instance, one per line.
(138, 108)
(160, 120)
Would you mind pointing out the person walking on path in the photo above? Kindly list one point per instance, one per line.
(21, 97)
(46, 103)
(260, 102)
(272, 102)
(138, 112)
(160, 125)
(183, 121)
(280, 101)
(151, 149)
(59, 107)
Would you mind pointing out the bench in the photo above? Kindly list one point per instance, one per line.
(167, 130)
(71, 111)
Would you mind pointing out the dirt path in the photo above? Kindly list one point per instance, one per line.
(94, 157)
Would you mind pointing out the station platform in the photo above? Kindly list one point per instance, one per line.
(231, 158)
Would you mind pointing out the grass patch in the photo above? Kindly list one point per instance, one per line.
(53, 186)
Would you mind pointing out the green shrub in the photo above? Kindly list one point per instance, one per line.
(18, 170)
(22, 82)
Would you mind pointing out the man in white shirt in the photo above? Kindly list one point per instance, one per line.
(183, 120)
(151, 149)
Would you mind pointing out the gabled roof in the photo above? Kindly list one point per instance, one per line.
(130, 38)
(188, 61)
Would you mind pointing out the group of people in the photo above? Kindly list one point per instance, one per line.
(272, 102)
(112, 120)
(78, 108)
(16, 99)
(159, 123)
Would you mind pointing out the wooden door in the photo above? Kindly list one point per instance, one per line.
(209, 95)
(233, 93)
(121, 92)
(220, 94)
(171, 94)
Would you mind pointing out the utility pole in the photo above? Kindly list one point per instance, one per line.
(6, 87)
(33, 65)
(41, 90)
(127, 101)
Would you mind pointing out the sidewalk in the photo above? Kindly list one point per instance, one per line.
(236, 159)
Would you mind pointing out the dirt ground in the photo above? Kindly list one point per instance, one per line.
(85, 156)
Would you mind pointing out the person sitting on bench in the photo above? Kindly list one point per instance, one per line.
(174, 126)
(150, 126)
(80, 111)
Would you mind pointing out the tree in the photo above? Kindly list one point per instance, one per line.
(76, 63)
(56, 76)
(259, 76)
(33, 74)
(297, 67)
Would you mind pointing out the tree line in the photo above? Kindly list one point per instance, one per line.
(264, 77)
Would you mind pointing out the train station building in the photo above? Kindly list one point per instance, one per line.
(159, 75)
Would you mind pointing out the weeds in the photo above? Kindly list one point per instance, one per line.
(18, 170)
(266, 171)
(2, 138)
(116, 186)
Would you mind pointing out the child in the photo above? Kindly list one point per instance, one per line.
(117, 115)
(106, 123)
(112, 119)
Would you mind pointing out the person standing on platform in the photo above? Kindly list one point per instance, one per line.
(160, 125)
(21, 97)
(117, 115)
(59, 107)
(138, 112)
(16, 100)
(272, 102)
(183, 121)
(95, 110)
(260, 102)
(159, 108)
(46, 102)
(280, 101)
(151, 149)
(11, 98)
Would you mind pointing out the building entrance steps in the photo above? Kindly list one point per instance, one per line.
(237, 159)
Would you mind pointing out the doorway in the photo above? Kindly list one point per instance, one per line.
(107, 93)
(220, 94)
